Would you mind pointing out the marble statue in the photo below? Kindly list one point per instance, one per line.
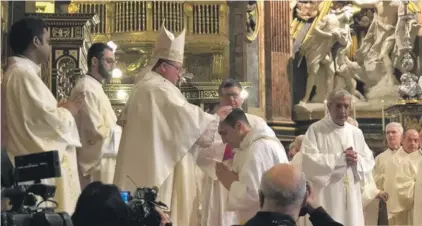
(346, 71)
(317, 50)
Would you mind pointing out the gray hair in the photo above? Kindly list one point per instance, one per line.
(283, 196)
(395, 125)
(296, 141)
(334, 95)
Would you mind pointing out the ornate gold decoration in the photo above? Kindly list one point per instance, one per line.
(409, 115)
(65, 77)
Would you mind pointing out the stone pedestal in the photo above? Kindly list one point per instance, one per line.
(409, 115)
(70, 39)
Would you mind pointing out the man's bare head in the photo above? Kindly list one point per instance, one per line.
(411, 140)
(283, 189)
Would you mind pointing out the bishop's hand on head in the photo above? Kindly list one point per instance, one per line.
(223, 111)
(75, 104)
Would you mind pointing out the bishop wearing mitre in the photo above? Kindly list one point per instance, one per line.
(163, 132)
(336, 160)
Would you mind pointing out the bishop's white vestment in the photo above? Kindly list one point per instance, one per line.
(161, 131)
(96, 125)
(214, 194)
(406, 188)
(337, 185)
(395, 216)
(35, 124)
(259, 150)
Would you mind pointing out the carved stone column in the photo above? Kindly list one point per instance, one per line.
(70, 39)
(278, 56)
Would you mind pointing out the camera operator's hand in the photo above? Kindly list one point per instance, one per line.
(311, 201)
(164, 217)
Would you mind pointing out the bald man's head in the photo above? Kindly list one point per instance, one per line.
(411, 140)
(283, 186)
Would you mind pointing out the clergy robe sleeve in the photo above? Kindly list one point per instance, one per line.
(405, 183)
(96, 126)
(368, 189)
(54, 128)
(209, 149)
(365, 163)
(378, 173)
(243, 194)
(318, 165)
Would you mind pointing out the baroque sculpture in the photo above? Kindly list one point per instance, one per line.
(335, 61)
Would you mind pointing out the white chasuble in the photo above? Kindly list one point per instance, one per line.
(406, 188)
(337, 185)
(35, 124)
(96, 123)
(393, 205)
(259, 151)
(161, 128)
(214, 194)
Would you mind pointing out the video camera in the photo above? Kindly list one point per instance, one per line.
(25, 211)
(142, 206)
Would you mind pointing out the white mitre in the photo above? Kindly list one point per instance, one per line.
(167, 47)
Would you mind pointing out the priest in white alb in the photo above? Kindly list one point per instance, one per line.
(256, 149)
(398, 213)
(214, 195)
(34, 121)
(336, 160)
(405, 182)
(97, 120)
(163, 133)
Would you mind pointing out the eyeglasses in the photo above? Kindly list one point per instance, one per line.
(179, 69)
(109, 60)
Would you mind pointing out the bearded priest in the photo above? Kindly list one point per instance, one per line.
(336, 160)
(163, 133)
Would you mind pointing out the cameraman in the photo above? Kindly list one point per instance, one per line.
(283, 195)
(101, 205)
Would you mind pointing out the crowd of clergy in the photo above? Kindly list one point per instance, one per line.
(217, 168)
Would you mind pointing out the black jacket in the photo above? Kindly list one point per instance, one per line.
(318, 218)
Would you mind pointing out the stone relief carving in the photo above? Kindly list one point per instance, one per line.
(66, 77)
(375, 23)
(60, 32)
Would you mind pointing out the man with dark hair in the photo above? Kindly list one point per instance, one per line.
(97, 120)
(35, 123)
(214, 194)
(257, 150)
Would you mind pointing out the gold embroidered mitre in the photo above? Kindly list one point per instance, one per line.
(167, 47)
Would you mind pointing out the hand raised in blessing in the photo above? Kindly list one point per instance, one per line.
(351, 156)
(75, 104)
(224, 111)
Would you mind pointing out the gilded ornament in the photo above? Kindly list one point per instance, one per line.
(252, 20)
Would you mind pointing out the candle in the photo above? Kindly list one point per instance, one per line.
(354, 109)
(325, 107)
(383, 116)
